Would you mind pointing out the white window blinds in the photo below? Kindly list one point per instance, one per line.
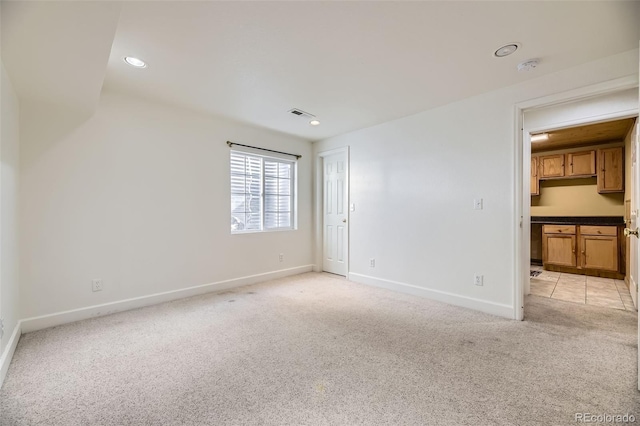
(262, 193)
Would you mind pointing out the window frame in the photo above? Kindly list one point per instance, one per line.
(293, 186)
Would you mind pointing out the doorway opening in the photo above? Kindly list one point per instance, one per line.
(581, 201)
(600, 103)
(609, 101)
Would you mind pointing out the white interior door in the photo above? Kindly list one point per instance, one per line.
(334, 206)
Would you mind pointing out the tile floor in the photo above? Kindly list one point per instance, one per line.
(596, 291)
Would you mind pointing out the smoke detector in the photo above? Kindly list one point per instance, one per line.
(529, 65)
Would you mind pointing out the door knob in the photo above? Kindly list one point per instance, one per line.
(628, 232)
(345, 221)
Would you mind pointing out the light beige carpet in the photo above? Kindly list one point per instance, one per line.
(319, 350)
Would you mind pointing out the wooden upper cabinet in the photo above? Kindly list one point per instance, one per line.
(610, 170)
(581, 163)
(551, 166)
(535, 181)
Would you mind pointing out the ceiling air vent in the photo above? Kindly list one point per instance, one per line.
(301, 113)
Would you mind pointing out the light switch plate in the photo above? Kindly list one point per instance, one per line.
(477, 204)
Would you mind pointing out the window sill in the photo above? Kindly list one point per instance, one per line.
(264, 231)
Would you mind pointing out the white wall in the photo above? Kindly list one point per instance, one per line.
(413, 182)
(138, 195)
(9, 159)
(598, 108)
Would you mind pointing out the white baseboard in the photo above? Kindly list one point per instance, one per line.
(441, 296)
(51, 320)
(7, 355)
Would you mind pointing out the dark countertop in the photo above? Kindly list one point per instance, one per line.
(578, 220)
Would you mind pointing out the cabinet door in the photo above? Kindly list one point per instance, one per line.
(599, 252)
(551, 166)
(559, 249)
(535, 182)
(581, 163)
(610, 170)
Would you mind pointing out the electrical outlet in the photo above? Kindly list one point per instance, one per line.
(478, 279)
(372, 263)
(97, 285)
(281, 257)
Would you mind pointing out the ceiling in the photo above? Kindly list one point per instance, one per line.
(352, 64)
(57, 52)
(599, 133)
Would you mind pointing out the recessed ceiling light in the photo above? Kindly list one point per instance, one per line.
(314, 122)
(540, 137)
(135, 62)
(506, 50)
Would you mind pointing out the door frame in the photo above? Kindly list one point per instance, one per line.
(522, 225)
(319, 206)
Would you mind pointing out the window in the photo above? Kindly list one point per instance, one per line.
(262, 193)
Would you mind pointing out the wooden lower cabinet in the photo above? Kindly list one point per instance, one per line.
(599, 247)
(559, 250)
(559, 245)
(590, 250)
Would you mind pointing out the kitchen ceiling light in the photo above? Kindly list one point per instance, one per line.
(540, 137)
(135, 62)
(314, 122)
(506, 50)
